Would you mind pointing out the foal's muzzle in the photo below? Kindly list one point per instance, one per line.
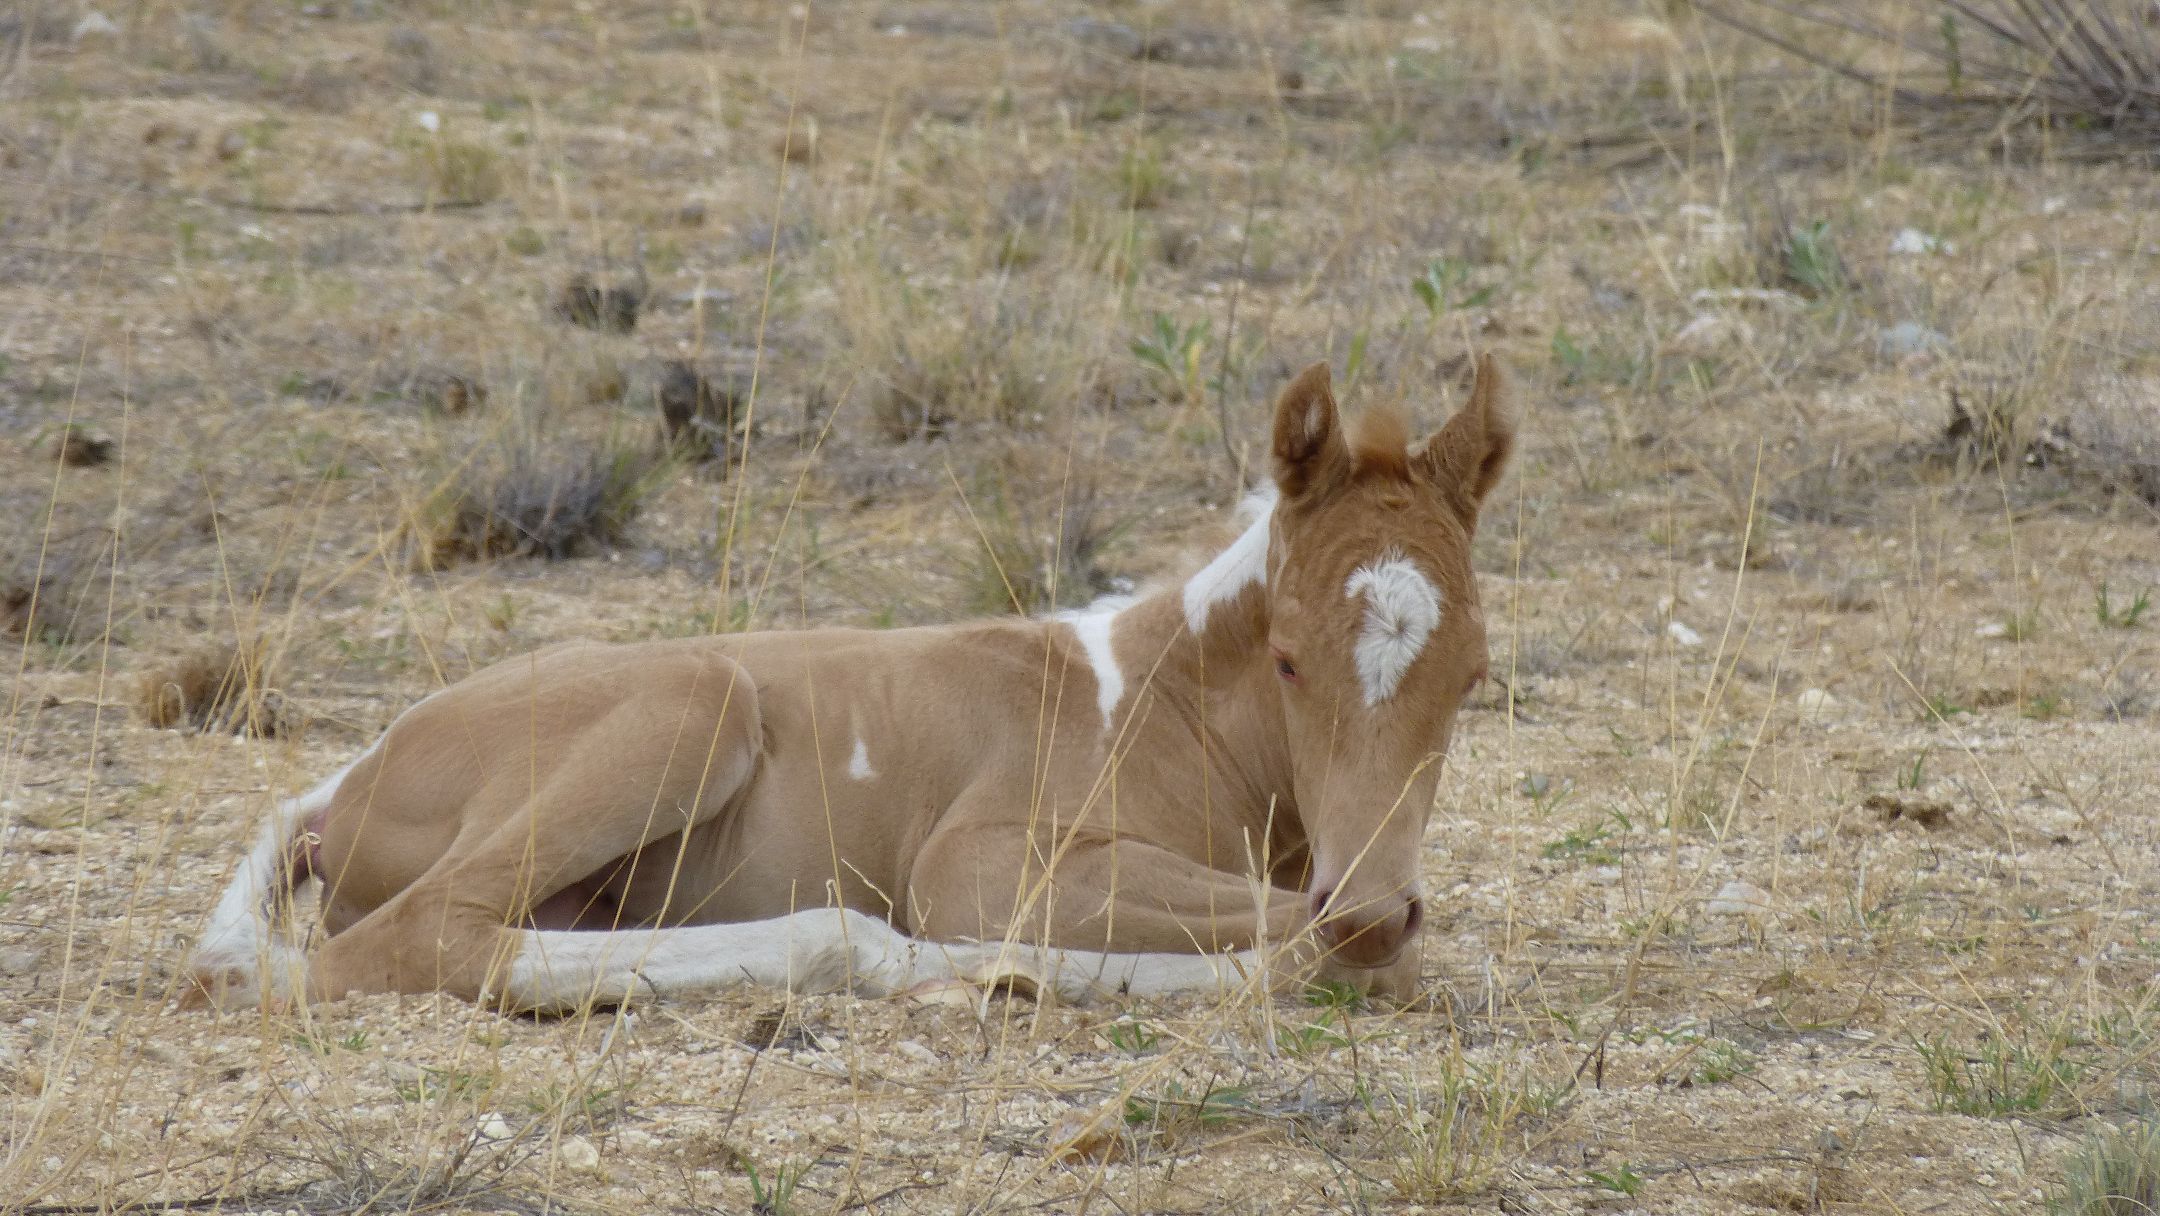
(1368, 934)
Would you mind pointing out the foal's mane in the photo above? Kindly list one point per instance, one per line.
(1380, 443)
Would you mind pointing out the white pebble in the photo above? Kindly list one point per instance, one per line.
(1738, 898)
(1815, 704)
(577, 1153)
(1679, 632)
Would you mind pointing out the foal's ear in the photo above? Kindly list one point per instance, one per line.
(1309, 447)
(1467, 456)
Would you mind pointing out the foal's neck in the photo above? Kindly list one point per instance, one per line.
(1202, 646)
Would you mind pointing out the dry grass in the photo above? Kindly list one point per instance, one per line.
(1800, 859)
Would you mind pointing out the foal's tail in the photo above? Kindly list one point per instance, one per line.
(241, 957)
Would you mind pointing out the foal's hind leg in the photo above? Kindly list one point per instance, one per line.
(656, 764)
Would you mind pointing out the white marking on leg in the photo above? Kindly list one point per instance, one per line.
(858, 765)
(829, 950)
(1094, 629)
(1401, 609)
(1240, 566)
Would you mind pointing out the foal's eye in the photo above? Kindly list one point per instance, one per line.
(1285, 668)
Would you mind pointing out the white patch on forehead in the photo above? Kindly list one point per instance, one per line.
(858, 765)
(1093, 628)
(1235, 568)
(1401, 609)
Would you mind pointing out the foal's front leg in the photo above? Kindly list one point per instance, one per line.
(1124, 897)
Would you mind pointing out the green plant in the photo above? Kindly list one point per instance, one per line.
(1621, 1180)
(2001, 1076)
(1174, 1108)
(1173, 355)
(1810, 261)
(1586, 843)
(1319, 1035)
(1334, 995)
(774, 1195)
(1445, 285)
(1131, 1036)
(1914, 775)
(2120, 618)
(1719, 1061)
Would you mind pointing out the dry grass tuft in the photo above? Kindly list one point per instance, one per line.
(233, 687)
(528, 499)
(2114, 1173)
(1038, 552)
(700, 409)
(2095, 63)
(58, 596)
(611, 309)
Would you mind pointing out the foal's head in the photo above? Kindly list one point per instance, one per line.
(1376, 637)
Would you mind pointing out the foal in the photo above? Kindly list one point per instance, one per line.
(1141, 798)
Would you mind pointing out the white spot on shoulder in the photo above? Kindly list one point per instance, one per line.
(1093, 628)
(1401, 609)
(858, 765)
(1240, 566)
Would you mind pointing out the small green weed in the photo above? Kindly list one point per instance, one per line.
(1445, 286)
(1175, 1108)
(2003, 1077)
(1173, 355)
(1621, 1180)
(1132, 1036)
(774, 1195)
(1811, 261)
(2126, 617)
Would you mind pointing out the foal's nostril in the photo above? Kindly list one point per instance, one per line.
(1414, 918)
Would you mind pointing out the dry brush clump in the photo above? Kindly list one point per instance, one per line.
(234, 687)
(2092, 63)
(532, 498)
(1006, 352)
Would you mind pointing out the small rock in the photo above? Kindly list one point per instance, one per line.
(914, 1050)
(495, 1127)
(1908, 338)
(1680, 633)
(1911, 242)
(1992, 630)
(1815, 704)
(20, 960)
(79, 449)
(95, 24)
(230, 145)
(1738, 898)
(578, 1153)
(428, 121)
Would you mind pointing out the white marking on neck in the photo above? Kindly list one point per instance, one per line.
(1093, 628)
(858, 765)
(1235, 568)
(1401, 608)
